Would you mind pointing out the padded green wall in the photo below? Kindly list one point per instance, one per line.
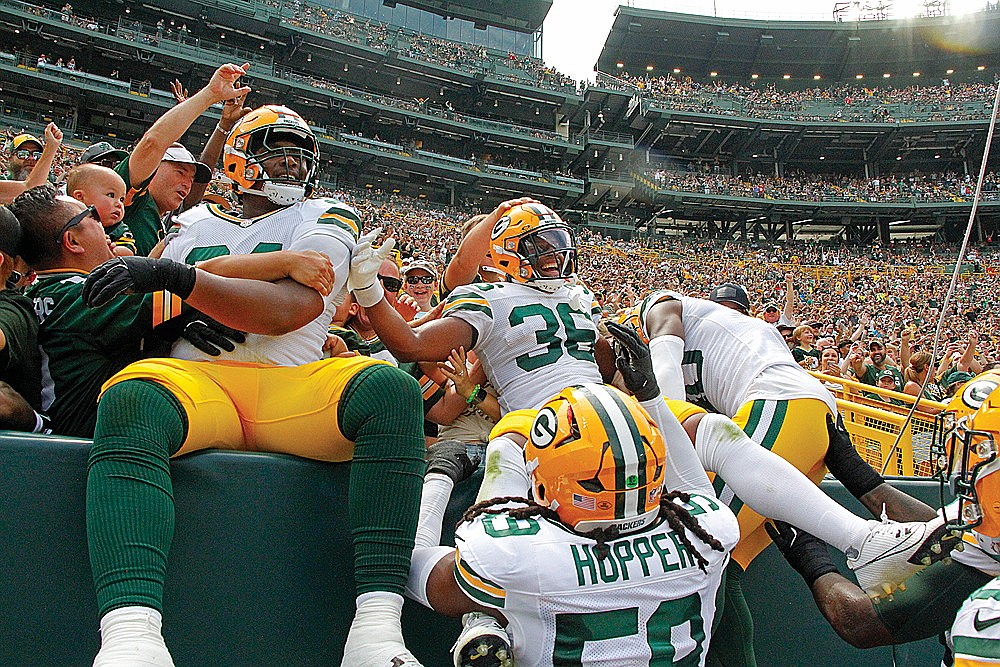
(261, 568)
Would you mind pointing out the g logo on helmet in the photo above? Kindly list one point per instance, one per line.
(544, 430)
(976, 392)
(501, 226)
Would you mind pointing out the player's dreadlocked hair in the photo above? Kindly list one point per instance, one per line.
(676, 516)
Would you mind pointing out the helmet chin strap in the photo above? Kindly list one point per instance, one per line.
(283, 195)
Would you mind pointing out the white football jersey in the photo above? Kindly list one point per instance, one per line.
(645, 603)
(975, 636)
(731, 359)
(533, 344)
(323, 225)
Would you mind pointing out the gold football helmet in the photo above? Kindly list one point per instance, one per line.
(532, 245)
(631, 318)
(596, 458)
(255, 140)
(966, 441)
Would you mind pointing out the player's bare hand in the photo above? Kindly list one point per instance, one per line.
(312, 269)
(179, 91)
(224, 83)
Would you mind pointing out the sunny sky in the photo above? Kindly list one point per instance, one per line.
(575, 30)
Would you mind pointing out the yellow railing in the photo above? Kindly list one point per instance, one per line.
(875, 423)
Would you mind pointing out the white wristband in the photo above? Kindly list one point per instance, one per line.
(218, 128)
(369, 296)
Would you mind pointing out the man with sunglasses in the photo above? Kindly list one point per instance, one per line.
(159, 172)
(28, 164)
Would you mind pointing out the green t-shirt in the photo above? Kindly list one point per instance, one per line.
(20, 362)
(142, 217)
(814, 355)
(872, 373)
(82, 347)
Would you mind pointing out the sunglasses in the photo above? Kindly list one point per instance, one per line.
(89, 212)
(24, 154)
(413, 280)
(14, 279)
(391, 284)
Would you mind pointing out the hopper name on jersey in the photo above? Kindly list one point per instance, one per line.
(631, 558)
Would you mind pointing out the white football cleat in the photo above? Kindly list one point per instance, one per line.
(482, 643)
(893, 551)
(130, 637)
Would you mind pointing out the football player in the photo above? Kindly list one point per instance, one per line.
(536, 333)
(964, 443)
(279, 396)
(972, 444)
(711, 353)
(618, 558)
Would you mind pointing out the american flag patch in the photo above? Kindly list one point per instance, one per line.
(584, 502)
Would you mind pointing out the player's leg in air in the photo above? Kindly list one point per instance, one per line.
(355, 410)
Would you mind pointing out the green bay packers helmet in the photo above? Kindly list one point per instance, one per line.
(632, 318)
(596, 458)
(532, 245)
(966, 440)
(262, 136)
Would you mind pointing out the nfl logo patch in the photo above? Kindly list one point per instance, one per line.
(631, 481)
(584, 502)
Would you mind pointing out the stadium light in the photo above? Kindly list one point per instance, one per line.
(937, 156)
(677, 70)
(649, 68)
(859, 76)
(713, 74)
(822, 157)
(619, 65)
(898, 158)
(886, 75)
(916, 74)
(755, 76)
(981, 68)
(787, 76)
(816, 77)
(949, 71)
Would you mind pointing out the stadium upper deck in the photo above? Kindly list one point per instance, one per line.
(457, 122)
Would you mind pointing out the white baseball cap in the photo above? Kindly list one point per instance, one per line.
(177, 153)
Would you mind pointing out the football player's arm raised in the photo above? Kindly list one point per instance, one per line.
(464, 266)
(665, 329)
(433, 341)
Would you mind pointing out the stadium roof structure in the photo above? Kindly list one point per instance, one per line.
(522, 16)
(644, 41)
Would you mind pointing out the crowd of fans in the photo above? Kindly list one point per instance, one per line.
(882, 104)
(466, 57)
(933, 187)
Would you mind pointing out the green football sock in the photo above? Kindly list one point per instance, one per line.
(130, 502)
(381, 410)
(732, 644)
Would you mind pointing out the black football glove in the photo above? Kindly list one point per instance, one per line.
(635, 363)
(137, 275)
(208, 335)
(450, 457)
(806, 553)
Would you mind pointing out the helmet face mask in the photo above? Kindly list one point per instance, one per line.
(965, 445)
(533, 246)
(596, 459)
(272, 139)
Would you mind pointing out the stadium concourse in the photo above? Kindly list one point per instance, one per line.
(365, 250)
